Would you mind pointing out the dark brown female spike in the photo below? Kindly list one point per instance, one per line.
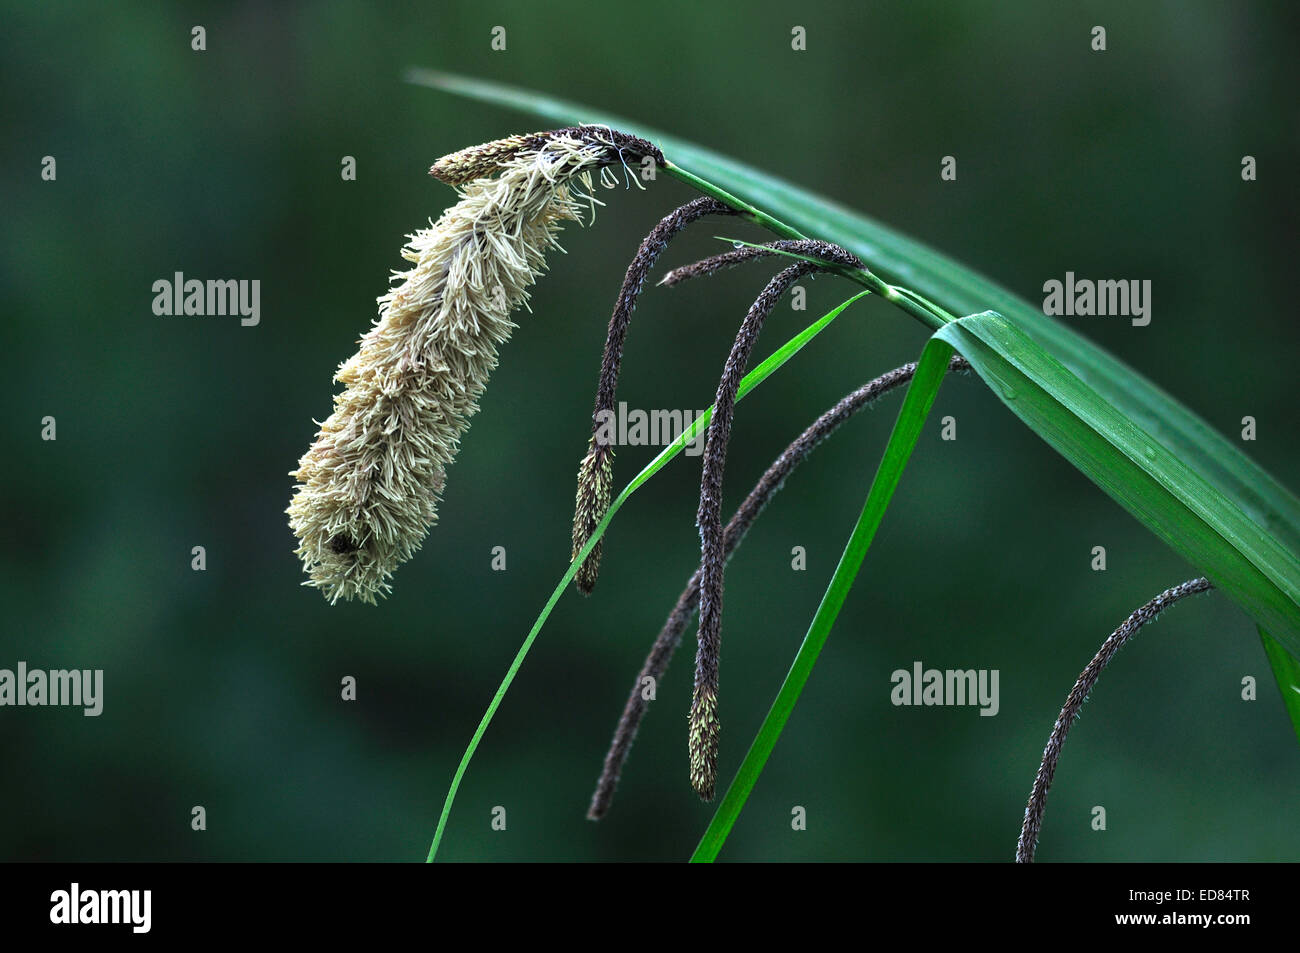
(704, 722)
(1027, 845)
(596, 471)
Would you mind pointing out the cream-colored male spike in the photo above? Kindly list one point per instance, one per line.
(370, 484)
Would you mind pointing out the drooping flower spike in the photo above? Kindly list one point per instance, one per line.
(1027, 845)
(596, 470)
(705, 725)
(803, 247)
(370, 483)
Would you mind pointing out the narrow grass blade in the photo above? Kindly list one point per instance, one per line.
(911, 417)
(1286, 670)
(751, 380)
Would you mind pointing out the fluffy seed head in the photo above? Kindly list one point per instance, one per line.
(369, 485)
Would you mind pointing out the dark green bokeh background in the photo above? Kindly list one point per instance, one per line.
(222, 687)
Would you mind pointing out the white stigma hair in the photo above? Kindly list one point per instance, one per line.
(369, 485)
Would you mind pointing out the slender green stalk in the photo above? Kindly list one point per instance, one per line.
(911, 417)
(752, 380)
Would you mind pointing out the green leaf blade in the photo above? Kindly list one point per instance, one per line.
(1176, 502)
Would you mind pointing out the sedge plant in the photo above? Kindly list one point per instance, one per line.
(369, 484)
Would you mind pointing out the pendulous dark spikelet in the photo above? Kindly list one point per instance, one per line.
(704, 722)
(809, 247)
(1034, 810)
(596, 471)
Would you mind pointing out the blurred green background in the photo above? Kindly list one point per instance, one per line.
(222, 687)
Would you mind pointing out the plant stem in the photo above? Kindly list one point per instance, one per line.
(928, 313)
